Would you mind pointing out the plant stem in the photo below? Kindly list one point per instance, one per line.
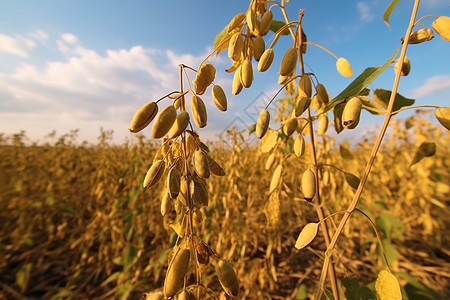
(375, 149)
(318, 201)
(323, 48)
(378, 236)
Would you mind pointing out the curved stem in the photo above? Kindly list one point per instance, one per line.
(328, 165)
(279, 31)
(418, 21)
(323, 48)
(167, 95)
(414, 107)
(318, 201)
(377, 234)
(332, 215)
(279, 91)
(375, 149)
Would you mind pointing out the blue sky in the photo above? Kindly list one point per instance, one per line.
(79, 64)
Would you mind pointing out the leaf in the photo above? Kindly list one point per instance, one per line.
(176, 227)
(64, 294)
(417, 290)
(111, 278)
(272, 209)
(352, 180)
(219, 37)
(268, 141)
(387, 286)
(302, 292)
(360, 82)
(328, 294)
(124, 291)
(23, 276)
(337, 112)
(425, 150)
(351, 288)
(345, 152)
(252, 129)
(353, 291)
(390, 251)
(372, 106)
(129, 257)
(391, 226)
(388, 12)
(443, 116)
(382, 97)
(307, 235)
(68, 211)
(276, 25)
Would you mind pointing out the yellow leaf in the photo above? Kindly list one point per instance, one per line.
(272, 209)
(268, 141)
(387, 286)
(307, 235)
(443, 116)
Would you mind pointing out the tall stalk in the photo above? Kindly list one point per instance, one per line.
(373, 155)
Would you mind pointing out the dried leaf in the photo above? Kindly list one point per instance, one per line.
(425, 150)
(272, 209)
(352, 180)
(268, 141)
(443, 116)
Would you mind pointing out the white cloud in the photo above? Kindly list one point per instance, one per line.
(364, 10)
(87, 90)
(19, 45)
(69, 38)
(39, 36)
(432, 85)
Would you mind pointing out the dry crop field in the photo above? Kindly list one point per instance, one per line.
(298, 216)
(77, 224)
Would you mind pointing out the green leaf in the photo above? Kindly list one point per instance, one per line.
(328, 294)
(417, 290)
(425, 150)
(360, 82)
(367, 243)
(390, 251)
(124, 291)
(381, 205)
(351, 288)
(382, 97)
(372, 106)
(302, 292)
(391, 226)
(64, 294)
(252, 129)
(276, 25)
(68, 211)
(388, 12)
(129, 256)
(111, 277)
(356, 292)
(23, 276)
(345, 152)
(219, 37)
(337, 112)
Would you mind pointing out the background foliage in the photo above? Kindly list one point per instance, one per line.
(76, 223)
